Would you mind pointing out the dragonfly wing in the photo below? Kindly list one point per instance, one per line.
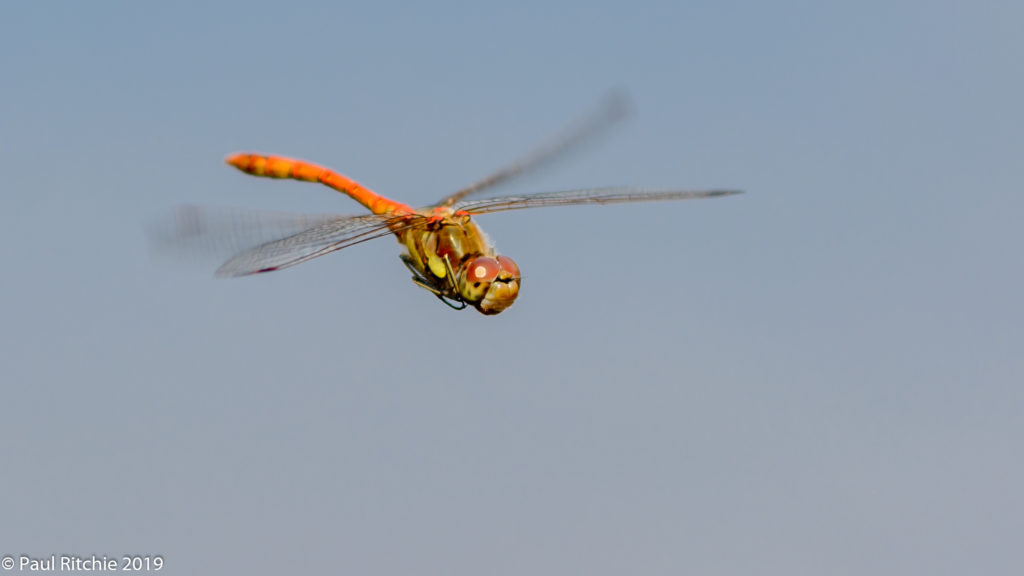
(612, 195)
(266, 241)
(306, 245)
(613, 108)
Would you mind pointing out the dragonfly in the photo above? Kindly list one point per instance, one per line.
(445, 250)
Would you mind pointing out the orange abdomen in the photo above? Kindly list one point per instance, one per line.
(281, 167)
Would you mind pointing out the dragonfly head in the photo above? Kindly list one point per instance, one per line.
(489, 284)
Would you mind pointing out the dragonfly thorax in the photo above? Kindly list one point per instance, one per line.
(453, 259)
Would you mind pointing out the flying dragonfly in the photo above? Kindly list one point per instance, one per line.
(445, 250)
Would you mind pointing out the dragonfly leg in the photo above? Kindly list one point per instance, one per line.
(451, 285)
(451, 275)
(460, 306)
(419, 280)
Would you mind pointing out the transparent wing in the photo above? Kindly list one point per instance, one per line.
(267, 241)
(613, 108)
(612, 195)
(306, 245)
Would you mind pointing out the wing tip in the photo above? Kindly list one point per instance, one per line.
(227, 271)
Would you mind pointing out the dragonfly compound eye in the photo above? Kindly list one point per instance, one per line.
(509, 269)
(502, 288)
(481, 270)
(475, 277)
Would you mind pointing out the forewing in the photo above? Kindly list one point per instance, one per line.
(267, 241)
(316, 241)
(585, 128)
(612, 195)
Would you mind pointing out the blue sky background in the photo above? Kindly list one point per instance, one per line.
(820, 376)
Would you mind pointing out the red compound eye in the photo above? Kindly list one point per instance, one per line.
(482, 269)
(508, 266)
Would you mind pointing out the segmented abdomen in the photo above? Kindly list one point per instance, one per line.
(281, 167)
